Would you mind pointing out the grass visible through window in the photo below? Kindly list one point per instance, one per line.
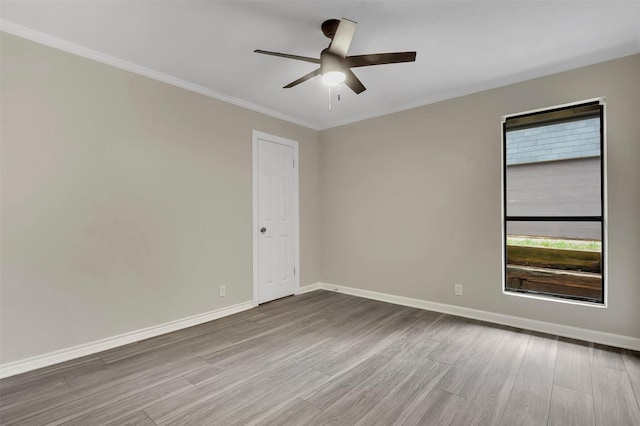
(585, 245)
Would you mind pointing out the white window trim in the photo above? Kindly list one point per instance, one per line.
(605, 213)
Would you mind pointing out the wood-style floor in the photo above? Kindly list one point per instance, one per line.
(328, 358)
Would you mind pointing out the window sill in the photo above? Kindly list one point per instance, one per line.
(556, 299)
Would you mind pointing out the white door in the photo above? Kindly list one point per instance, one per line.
(276, 230)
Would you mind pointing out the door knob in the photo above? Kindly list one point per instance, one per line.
(263, 229)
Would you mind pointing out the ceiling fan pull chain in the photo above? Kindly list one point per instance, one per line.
(338, 93)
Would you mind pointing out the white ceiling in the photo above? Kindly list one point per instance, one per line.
(207, 46)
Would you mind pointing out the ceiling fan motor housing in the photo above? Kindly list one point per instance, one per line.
(329, 27)
(330, 62)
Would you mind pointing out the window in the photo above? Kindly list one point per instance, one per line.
(553, 174)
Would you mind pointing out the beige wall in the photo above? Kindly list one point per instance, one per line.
(126, 202)
(411, 201)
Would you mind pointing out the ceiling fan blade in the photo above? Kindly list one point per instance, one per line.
(342, 39)
(352, 81)
(380, 59)
(286, 55)
(303, 79)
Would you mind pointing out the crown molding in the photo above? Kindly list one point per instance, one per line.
(57, 43)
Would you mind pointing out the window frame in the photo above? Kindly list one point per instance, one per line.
(603, 302)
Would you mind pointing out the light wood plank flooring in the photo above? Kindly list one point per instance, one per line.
(328, 358)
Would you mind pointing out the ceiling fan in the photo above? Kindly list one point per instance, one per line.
(335, 65)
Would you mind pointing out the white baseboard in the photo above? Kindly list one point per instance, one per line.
(51, 358)
(40, 361)
(308, 288)
(601, 337)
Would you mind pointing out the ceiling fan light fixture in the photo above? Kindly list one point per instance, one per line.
(331, 67)
(332, 78)
(335, 65)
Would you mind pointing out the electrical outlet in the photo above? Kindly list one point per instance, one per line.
(457, 288)
(223, 291)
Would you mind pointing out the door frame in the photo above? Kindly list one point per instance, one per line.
(296, 209)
